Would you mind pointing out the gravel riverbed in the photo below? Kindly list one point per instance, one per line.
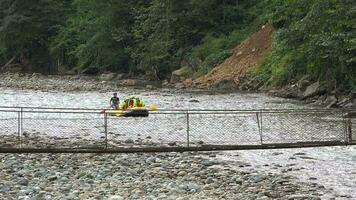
(142, 176)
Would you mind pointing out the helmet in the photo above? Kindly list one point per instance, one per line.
(115, 93)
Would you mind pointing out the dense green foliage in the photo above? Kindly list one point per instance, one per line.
(315, 38)
(144, 36)
(154, 37)
(27, 27)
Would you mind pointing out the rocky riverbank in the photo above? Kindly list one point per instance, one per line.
(105, 82)
(142, 176)
(318, 93)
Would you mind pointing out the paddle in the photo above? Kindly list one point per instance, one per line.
(152, 107)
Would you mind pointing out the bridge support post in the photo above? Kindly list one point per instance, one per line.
(348, 118)
(19, 126)
(187, 129)
(259, 124)
(106, 129)
(349, 130)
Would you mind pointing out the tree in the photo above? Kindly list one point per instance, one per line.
(26, 27)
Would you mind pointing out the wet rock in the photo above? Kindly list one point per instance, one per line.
(299, 154)
(350, 105)
(52, 178)
(23, 182)
(257, 178)
(179, 75)
(129, 141)
(194, 101)
(304, 82)
(209, 180)
(307, 158)
(331, 101)
(172, 144)
(314, 89)
(343, 101)
(182, 173)
(277, 153)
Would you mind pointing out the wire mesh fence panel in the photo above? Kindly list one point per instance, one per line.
(62, 130)
(353, 129)
(54, 128)
(159, 129)
(9, 129)
(224, 129)
(292, 127)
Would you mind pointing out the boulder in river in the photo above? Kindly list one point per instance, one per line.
(314, 89)
(331, 101)
(180, 74)
(304, 82)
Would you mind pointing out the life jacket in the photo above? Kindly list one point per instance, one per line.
(132, 102)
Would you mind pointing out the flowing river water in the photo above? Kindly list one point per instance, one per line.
(332, 167)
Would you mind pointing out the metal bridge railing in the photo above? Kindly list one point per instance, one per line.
(30, 129)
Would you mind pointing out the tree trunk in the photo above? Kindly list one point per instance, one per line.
(8, 63)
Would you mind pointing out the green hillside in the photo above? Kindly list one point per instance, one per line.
(155, 37)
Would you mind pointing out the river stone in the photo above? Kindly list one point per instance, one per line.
(303, 82)
(257, 178)
(23, 182)
(209, 180)
(52, 178)
(129, 141)
(172, 144)
(194, 101)
(314, 89)
(331, 101)
(179, 75)
(182, 173)
(24, 197)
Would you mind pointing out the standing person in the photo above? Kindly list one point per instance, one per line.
(114, 101)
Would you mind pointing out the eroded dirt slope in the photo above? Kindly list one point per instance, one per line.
(245, 56)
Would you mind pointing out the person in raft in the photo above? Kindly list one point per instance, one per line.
(132, 102)
(114, 101)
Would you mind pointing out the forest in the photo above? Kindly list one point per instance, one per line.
(155, 37)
